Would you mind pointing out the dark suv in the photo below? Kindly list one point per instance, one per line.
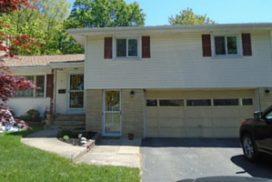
(256, 134)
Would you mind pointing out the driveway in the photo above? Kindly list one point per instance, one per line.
(179, 159)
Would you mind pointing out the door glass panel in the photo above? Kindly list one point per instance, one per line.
(112, 101)
(76, 82)
(76, 99)
(76, 91)
(112, 113)
(112, 123)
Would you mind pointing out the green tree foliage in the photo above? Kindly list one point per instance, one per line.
(105, 13)
(188, 17)
(45, 23)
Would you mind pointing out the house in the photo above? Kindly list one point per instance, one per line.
(167, 81)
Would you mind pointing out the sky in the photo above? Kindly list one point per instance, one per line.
(221, 11)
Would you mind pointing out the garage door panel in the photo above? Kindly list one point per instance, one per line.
(227, 111)
(225, 122)
(198, 122)
(226, 132)
(197, 112)
(171, 122)
(170, 132)
(170, 112)
(151, 112)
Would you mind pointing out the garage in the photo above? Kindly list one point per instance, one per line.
(206, 113)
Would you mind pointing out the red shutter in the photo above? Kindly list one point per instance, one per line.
(146, 47)
(108, 48)
(49, 85)
(247, 48)
(206, 45)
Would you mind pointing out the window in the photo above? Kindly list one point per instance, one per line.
(40, 86)
(199, 102)
(247, 102)
(226, 102)
(126, 47)
(39, 81)
(151, 103)
(225, 45)
(168, 102)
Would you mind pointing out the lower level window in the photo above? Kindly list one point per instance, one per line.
(39, 91)
(226, 102)
(171, 102)
(199, 102)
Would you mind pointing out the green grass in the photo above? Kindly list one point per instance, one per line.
(19, 162)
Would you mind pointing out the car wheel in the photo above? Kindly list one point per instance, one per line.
(249, 148)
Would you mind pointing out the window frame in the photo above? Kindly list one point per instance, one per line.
(34, 89)
(238, 44)
(127, 57)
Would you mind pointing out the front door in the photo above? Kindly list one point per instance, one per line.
(112, 113)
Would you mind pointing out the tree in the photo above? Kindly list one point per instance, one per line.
(44, 23)
(9, 83)
(105, 13)
(188, 17)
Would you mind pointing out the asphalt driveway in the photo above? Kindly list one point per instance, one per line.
(179, 159)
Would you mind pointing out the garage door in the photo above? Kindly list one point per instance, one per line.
(197, 113)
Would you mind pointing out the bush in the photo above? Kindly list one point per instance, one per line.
(32, 115)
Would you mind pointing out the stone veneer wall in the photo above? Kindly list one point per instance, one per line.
(133, 112)
(132, 108)
(93, 110)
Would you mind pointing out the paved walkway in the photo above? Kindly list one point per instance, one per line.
(47, 140)
(115, 152)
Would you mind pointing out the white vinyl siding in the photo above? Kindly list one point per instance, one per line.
(177, 62)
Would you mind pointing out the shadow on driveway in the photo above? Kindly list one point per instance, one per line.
(262, 168)
(191, 142)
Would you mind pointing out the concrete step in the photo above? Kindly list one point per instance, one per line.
(69, 123)
(72, 117)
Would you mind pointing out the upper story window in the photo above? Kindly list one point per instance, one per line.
(126, 48)
(225, 45)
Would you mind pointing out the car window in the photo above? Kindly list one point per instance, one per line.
(269, 116)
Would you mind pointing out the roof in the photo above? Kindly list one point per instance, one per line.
(188, 28)
(44, 60)
(80, 33)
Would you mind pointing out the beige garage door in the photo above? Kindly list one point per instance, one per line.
(197, 113)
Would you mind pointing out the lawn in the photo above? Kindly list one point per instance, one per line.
(19, 162)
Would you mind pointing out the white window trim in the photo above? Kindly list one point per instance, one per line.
(239, 46)
(139, 52)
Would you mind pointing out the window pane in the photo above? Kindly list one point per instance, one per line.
(25, 93)
(112, 101)
(247, 102)
(76, 100)
(121, 46)
(226, 102)
(199, 102)
(151, 103)
(171, 102)
(76, 82)
(232, 45)
(132, 47)
(40, 86)
(219, 42)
